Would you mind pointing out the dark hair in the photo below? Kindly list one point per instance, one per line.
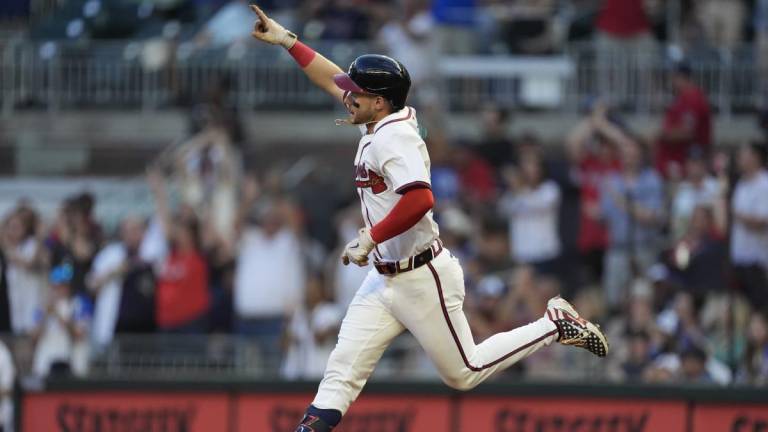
(694, 351)
(762, 118)
(492, 225)
(502, 112)
(759, 149)
(86, 201)
(761, 313)
(537, 159)
(29, 220)
(192, 225)
(683, 67)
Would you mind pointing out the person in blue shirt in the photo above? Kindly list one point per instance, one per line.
(61, 333)
(455, 20)
(632, 207)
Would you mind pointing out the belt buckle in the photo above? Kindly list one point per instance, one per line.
(393, 268)
(386, 268)
(390, 268)
(436, 247)
(401, 269)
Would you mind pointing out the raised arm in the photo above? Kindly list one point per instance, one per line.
(319, 69)
(612, 132)
(160, 195)
(576, 140)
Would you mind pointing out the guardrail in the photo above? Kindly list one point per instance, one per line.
(639, 80)
(226, 356)
(157, 74)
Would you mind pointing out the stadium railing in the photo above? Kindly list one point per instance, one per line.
(157, 74)
(116, 197)
(228, 355)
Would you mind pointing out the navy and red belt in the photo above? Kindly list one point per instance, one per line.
(392, 268)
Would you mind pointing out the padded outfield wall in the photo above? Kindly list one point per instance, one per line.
(237, 406)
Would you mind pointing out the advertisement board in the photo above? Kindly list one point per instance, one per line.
(730, 417)
(501, 414)
(125, 412)
(380, 413)
(190, 411)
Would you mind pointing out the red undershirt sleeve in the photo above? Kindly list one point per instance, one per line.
(302, 54)
(411, 207)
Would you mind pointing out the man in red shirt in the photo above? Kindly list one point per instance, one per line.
(623, 19)
(624, 45)
(687, 124)
(594, 148)
(182, 298)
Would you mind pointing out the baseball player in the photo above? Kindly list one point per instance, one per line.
(416, 284)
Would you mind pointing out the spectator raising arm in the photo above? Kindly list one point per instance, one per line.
(597, 123)
(37, 261)
(251, 190)
(577, 139)
(612, 132)
(160, 194)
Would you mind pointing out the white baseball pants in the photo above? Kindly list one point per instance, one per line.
(428, 302)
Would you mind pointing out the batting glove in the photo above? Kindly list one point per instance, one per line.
(357, 250)
(270, 31)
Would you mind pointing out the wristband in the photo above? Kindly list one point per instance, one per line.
(302, 54)
(289, 40)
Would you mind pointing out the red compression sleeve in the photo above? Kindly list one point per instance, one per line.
(411, 207)
(302, 54)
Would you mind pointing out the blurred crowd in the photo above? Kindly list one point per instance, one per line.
(461, 26)
(660, 235)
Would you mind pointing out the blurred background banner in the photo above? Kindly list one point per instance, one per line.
(134, 411)
(386, 412)
(501, 414)
(408, 408)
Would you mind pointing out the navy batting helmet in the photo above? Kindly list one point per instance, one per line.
(379, 75)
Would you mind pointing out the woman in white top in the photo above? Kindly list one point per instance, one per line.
(26, 268)
(697, 189)
(749, 234)
(532, 205)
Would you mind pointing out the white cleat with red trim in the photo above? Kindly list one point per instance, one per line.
(574, 330)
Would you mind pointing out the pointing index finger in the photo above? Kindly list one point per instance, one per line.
(262, 16)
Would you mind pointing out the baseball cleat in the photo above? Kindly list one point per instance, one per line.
(574, 330)
(312, 423)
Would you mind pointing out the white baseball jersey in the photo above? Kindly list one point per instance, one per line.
(389, 161)
(426, 300)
